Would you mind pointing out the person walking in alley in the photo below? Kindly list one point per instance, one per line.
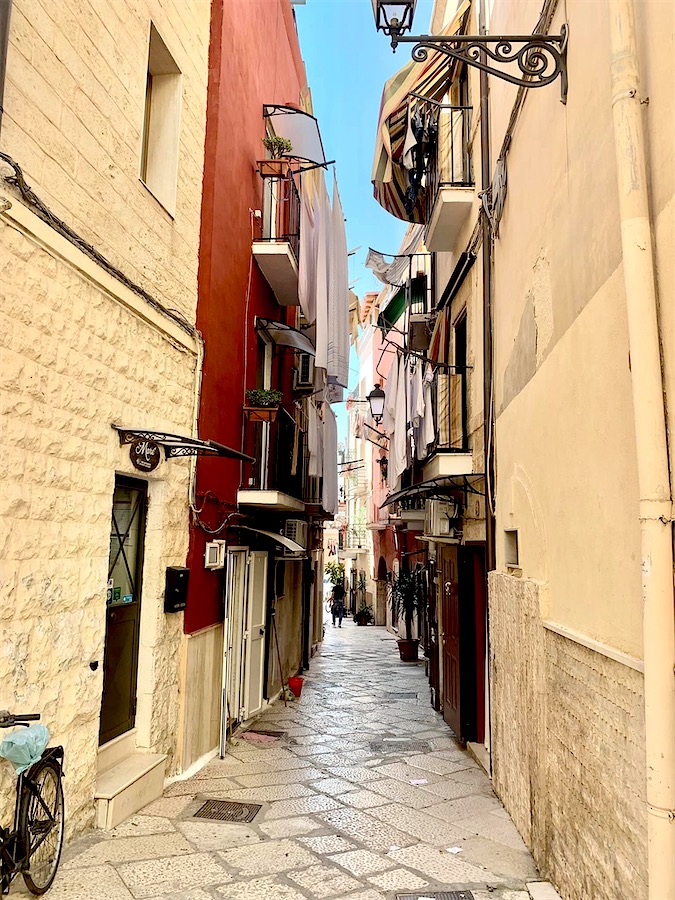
(338, 605)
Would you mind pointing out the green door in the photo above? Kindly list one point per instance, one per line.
(125, 569)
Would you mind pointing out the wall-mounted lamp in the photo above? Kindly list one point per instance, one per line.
(539, 57)
(376, 397)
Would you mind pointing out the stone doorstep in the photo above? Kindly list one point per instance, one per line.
(542, 890)
(127, 787)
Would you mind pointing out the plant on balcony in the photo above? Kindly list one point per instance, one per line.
(407, 600)
(277, 146)
(262, 404)
(278, 165)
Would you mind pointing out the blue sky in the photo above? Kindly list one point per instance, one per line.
(347, 64)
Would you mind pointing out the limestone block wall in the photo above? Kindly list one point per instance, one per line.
(76, 356)
(567, 749)
(73, 119)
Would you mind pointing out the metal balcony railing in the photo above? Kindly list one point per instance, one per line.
(450, 164)
(281, 211)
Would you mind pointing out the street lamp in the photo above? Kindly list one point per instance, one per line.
(539, 57)
(376, 396)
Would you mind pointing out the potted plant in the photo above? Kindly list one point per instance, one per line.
(279, 148)
(335, 572)
(262, 404)
(364, 614)
(407, 601)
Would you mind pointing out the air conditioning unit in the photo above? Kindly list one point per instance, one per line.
(214, 555)
(419, 332)
(303, 376)
(439, 516)
(296, 530)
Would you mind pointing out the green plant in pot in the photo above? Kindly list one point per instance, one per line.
(277, 146)
(335, 571)
(364, 614)
(407, 601)
(262, 404)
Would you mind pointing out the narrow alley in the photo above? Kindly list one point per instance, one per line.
(364, 795)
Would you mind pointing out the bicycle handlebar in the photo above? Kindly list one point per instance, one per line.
(7, 719)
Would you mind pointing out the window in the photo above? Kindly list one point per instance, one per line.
(511, 549)
(161, 123)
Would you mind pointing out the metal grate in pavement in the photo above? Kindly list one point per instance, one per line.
(228, 811)
(400, 746)
(401, 695)
(437, 895)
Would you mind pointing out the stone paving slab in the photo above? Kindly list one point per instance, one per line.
(339, 820)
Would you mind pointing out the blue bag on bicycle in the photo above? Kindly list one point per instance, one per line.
(25, 746)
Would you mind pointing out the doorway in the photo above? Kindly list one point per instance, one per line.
(450, 643)
(125, 575)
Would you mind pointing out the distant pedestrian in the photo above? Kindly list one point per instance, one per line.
(338, 605)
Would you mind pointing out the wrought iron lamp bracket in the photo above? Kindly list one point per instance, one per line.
(540, 58)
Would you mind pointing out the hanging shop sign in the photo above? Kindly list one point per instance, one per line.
(144, 455)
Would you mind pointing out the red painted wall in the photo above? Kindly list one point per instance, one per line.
(254, 58)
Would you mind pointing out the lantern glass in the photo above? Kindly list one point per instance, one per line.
(394, 16)
(376, 401)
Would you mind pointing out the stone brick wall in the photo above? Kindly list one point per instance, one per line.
(73, 360)
(568, 750)
(74, 99)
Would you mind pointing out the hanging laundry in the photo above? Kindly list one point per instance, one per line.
(390, 394)
(308, 251)
(399, 440)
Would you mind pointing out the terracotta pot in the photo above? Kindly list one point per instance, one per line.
(408, 650)
(261, 413)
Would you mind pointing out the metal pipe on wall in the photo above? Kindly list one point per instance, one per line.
(5, 15)
(655, 504)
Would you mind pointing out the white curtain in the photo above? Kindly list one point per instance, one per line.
(337, 366)
(330, 473)
(308, 249)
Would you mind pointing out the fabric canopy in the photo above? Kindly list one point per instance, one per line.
(301, 129)
(437, 487)
(393, 311)
(277, 538)
(284, 335)
(429, 79)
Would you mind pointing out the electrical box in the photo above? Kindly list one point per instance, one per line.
(175, 589)
(214, 555)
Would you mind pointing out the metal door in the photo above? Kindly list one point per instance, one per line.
(235, 593)
(450, 640)
(125, 571)
(254, 635)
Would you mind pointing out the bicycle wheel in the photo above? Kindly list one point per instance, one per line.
(41, 824)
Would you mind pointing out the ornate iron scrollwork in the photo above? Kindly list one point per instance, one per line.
(540, 58)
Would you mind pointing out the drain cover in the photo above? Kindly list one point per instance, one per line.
(271, 732)
(402, 695)
(402, 746)
(437, 895)
(228, 811)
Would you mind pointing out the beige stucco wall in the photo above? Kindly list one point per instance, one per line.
(74, 100)
(79, 351)
(566, 626)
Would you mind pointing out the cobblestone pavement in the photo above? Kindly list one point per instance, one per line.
(347, 812)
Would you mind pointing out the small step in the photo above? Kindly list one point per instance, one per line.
(127, 787)
(542, 890)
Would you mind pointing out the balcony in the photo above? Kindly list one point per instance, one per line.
(450, 179)
(284, 485)
(411, 511)
(277, 248)
(450, 453)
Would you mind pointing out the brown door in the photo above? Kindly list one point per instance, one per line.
(450, 639)
(120, 659)
(434, 681)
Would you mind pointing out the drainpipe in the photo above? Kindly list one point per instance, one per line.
(5, 13)
(488, 407)
(649, 413)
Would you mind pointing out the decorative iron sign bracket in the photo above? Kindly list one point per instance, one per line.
(539, 58)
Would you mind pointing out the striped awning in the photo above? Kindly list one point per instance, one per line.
(429, 79)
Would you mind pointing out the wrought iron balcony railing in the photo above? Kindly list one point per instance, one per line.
(450, 164)
(281, 210)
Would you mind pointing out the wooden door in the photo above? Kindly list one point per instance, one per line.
(450, 640)
(125, 572)
(433, 652)
(235, 575)
(254, 636)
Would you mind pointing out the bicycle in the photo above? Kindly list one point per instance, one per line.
(33, 845)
